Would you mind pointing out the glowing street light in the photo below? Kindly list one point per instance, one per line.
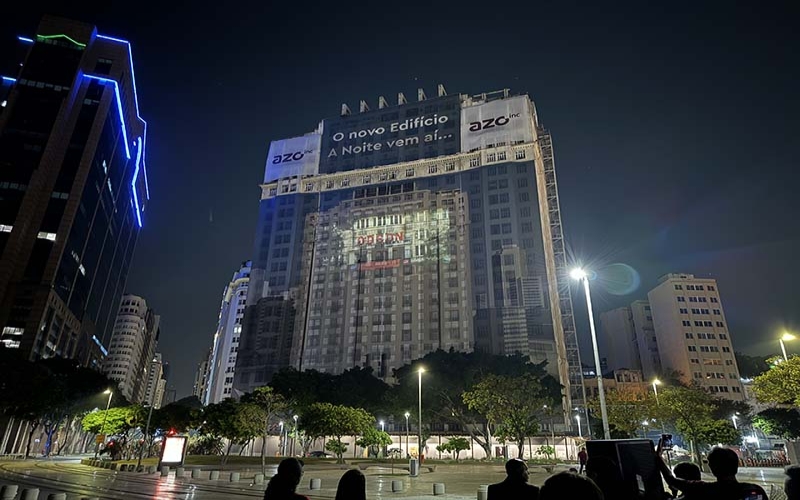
(578, 419)
(581, 275)
(420, 371)
(734, 418)
(105, 417)
(407, 414)
(656, 383)
(382, 424)
(785, 338)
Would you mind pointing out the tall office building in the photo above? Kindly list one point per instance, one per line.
(693, 336)
(386, 234)
(156, 382)
(618, 339)
(133, 345)
(200, 385)
(73, 189)
(222, 363)
(628, 338)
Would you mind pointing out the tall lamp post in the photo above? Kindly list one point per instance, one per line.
(294, 440)
(785, 338)
(581, 275)
(407, 448)
(735, 425)
(105, 417)
(282, 441)
(420, 371)
(578, 419)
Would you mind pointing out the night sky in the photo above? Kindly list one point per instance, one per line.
(675, 131)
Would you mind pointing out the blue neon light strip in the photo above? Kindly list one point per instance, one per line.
(139, 149)
(119, 108)
(9, 79)
(24, 39)
(136, 102)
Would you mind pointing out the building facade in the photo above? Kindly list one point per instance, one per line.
(693, 336)
(200, 385)
(618, 339)
(386, 234)
(222, 364)
(156, 382)
(133, 344)
(73, 190)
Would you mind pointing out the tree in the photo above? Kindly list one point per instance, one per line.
(513, 404)
(325, 419)
(116, 421)
(626, 409)
(546, 450)
(782, 422)
(691, 411)
(454, 445)
(780, 384)
(374, 439)
(231, 420)
(451, 373)
(266, 403)
(751, 366)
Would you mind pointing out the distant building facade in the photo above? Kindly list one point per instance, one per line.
(132, 347)
(200, 385)
(693, 335)
(73, 190)
(156, 382)
(222, 364)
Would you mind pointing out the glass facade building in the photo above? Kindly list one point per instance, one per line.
(388, 234)
(73, 190)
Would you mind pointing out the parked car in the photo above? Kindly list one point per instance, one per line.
(319, 454)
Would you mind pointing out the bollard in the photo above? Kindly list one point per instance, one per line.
(57, 496)
(213, 475)
(483, 492)
(397, 485)
(179, 471)
(258, 478)
(30, 494)
(151, 469)
(164, 470)
(195, 473)
(9, 492)
(234, 477)
(438, 489)
(316, 484)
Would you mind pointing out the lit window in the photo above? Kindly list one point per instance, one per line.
(6, 229)
(46, 236)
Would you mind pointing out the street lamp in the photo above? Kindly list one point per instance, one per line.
(734, 418)
(105, 417)
(420, 371)
(785, 338)
(282, 441)
(294, 440)
(645, 424)
(407, 448)
(581, 275)
(656, 383)
(578, 419)
(382, 425)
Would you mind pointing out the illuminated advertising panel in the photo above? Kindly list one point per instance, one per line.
(413, 131)
(502, 121)
(293, 157)
(174, 450)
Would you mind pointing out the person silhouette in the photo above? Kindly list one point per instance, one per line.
(568, 486)
(282, 486)
(352, 486)
(515, 485)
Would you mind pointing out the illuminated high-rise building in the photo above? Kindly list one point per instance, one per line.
(389, 233)
(73, 190)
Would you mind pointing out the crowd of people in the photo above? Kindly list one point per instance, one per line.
(602, 480)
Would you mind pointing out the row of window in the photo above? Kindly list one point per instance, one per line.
(718, 324)
(700, 288)
(710, 336)
(708, 348)
(681, 298)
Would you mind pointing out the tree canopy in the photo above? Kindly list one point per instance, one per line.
(780, 384)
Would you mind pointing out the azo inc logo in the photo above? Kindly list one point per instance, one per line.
(497, 121)
(286, 157)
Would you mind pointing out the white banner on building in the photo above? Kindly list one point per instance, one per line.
(293, 157)
(502, 121)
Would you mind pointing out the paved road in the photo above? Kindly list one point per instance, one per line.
(80, 481)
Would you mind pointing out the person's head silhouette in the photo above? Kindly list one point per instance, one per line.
(723, 462)
(517, 470)
(352, 486)
(568, 485)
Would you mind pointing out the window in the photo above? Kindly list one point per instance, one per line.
(694, 361)
(720, 324)
(692, 348)
(692, 299)
(678, 287)
(681, 299)
(711, 288)
(522, 182)
(717, 312)
(726, 349)
(687, 323)
(722, 336)
(683, 310)
(714, 300)
(520, 155)
(690, 336)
